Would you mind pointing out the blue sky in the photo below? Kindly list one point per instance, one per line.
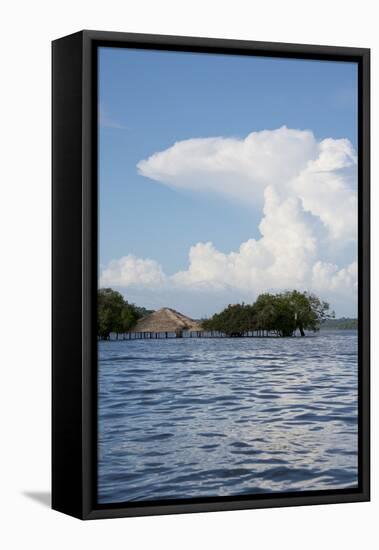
(148, 100)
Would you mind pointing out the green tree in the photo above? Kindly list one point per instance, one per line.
(283, 313)
(309, 311)
(114, 313)
(233, 320)
(265, 311)
(273, 312)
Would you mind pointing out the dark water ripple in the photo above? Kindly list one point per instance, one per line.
(215, 417)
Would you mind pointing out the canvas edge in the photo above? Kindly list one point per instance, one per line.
(66, 451)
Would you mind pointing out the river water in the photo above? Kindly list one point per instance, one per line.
(192, 418)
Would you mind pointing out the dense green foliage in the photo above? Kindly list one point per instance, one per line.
(114, 313)
(343, 323)
(281, 313)
(142, 311)
(233, 320)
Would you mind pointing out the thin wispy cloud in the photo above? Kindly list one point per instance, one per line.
(106, 121)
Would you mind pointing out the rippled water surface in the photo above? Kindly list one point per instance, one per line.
(214, 417)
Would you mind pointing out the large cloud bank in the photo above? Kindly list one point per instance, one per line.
(306, 190)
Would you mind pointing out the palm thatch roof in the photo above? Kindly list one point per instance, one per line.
(165, 320)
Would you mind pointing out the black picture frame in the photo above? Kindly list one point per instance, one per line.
(74, 272)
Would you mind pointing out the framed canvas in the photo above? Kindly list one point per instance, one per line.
(210, 275)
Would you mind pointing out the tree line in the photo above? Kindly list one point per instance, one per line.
(344, 323)
(282, 313)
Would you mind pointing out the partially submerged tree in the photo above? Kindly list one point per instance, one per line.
(309, 310)
(233, 320)
(282, 313)
(114, 313)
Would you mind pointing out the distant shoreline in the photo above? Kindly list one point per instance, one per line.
(343, 323)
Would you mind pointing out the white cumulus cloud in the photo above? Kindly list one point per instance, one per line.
(237, 168)
(281, 257)
(132, 271)
(307, 192)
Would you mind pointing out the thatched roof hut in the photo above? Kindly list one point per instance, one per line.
(166, 320)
